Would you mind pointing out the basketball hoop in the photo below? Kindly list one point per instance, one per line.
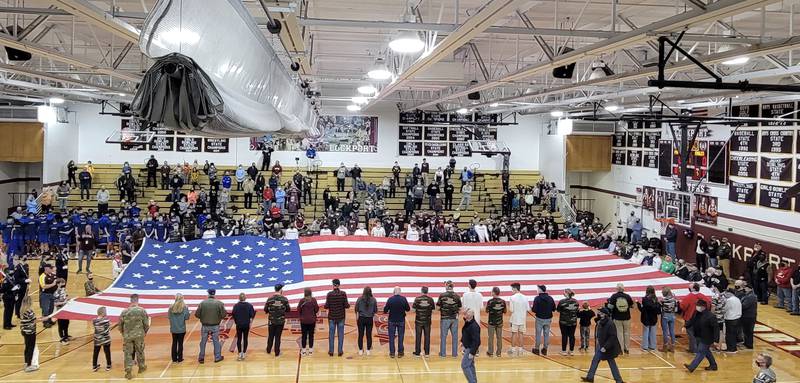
(132, 138)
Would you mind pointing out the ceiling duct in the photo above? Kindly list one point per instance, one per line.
(213, 62)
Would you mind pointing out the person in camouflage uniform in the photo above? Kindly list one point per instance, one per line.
(495, 308)
(567, 320)
(423, 307)
(89, 286)
(276, 308)
(449, 304)
(133, 324)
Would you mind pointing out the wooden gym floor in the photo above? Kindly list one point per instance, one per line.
(779, 334)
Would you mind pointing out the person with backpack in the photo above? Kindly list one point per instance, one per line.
(619, 304)
(650, 308)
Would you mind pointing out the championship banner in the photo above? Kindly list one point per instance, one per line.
(776, 169)
(216, 145)
(131, 125)
(778, 110)
(651, 159)
(744, 166)
(777, 141)
(189, 144)
(619, 140)
(162, 144)
(651, 140)
(742, 192)
(751, 111)
(435, 149)
(635, 139)
(772, 196)
(410, 148)
(744, 141)
(410, 133)
(618, 157)
(634, 158)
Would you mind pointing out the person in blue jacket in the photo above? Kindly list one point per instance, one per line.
(240, 176)
(53, 232)
(102, 230)
(43, 223)
(29, 229)
(161, 229)
(149, 228)
(226, 181)
(31, 205)
(8, 235)
(134, 210)
(65, 233)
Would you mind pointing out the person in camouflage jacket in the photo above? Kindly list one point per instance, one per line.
(134, 324)
(567, 320)
(495, 308)
(276, 308)
(423, 307)
(449, 304)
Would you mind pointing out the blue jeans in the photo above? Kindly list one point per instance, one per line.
(214, 332)
(335, 326)
(796, 300)
(649, 338)
(552, 204)
(46, 303)
(398, 328)
(542, 326)
(585, 335)
(671, 249)
(784, 296)
(445, 326)
(668, 328)
(713, 262)
(703, 352)
(611, 364)
(468, 366)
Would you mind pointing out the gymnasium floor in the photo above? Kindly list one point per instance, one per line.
(72, 363)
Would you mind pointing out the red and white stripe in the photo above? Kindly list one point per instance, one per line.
(384, 263)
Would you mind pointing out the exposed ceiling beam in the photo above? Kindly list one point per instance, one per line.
(476, 24)
(97, 16)
(770, 47)
(449, 28)
(59, 79)
(33, 25)
(638, 36)
(11, 41)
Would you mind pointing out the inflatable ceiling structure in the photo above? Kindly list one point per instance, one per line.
(216, 74)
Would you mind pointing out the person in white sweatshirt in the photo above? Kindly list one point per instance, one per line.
(482, 231)
(473, 300)
(378, 230)
(412, 234)
(361, 231)
(342, 231)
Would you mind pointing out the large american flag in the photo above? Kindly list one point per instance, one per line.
(254, 265)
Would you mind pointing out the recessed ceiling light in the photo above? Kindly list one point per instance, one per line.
(353, 108)
(367, 89)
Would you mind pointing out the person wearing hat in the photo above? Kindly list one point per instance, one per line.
(276, 308)
(210, 312)
(705, 328)
(606, 346)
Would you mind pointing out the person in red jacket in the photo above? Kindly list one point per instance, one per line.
(687, 306)
(783, 279)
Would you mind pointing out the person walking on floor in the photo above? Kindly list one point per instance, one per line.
(687, 307)
(650, 308)
(276, 308)
(519, 315)
(669, 307)
(102, 338)
(495, 309)
(606, 346)
(134, 324)
(619, 305)
(178, 315)
(449, 304)
(366, 308)
(567, 321)
(470, 342)
(210, 312)
(397, 307)
(543, 307)
(704, 326)
(243, 314)
(336, 303)
(307, 309)
(423, 309)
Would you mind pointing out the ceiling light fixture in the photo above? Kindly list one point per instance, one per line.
(462, 111)
(379, 71)
(407, 42)
(600, 70)
(564, 127)
(737, 60)
(359, 100)
(612, 108)
(494, 105)
(46, 114)
(56, 100)
(367, 89)
(557, 114)
(353, 108)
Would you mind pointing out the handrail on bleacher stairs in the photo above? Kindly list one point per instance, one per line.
(565, 208)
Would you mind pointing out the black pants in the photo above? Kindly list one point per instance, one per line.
(242, 333)
(21, 294)
(106, 350)
(340, 184)
(63, 328)
(30, 344)
(238, 185)
(762, 291)
(177, 347)
(567, 336)
(71, 179)
(164, 182)
(265, 163)
(102, 208)
(701, 260)
(420, 331)
(130, 194)
(748, 326)
(307, 195)
(417, 203)
(151, 176)
(248, 200)
(365, 328)
(8, 309)
(85, 188)
(448, 201)
(307, 335)
(274, 338)
(731, 331)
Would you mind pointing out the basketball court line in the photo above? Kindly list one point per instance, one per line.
(170, 362)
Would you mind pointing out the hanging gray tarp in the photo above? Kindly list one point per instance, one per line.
(216, 74)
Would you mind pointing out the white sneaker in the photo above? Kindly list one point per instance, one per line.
(570, 353)
(369, 352)
(564, 353)
(360, 352)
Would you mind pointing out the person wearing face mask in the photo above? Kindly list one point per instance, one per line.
(704, 325)
(607, 346)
